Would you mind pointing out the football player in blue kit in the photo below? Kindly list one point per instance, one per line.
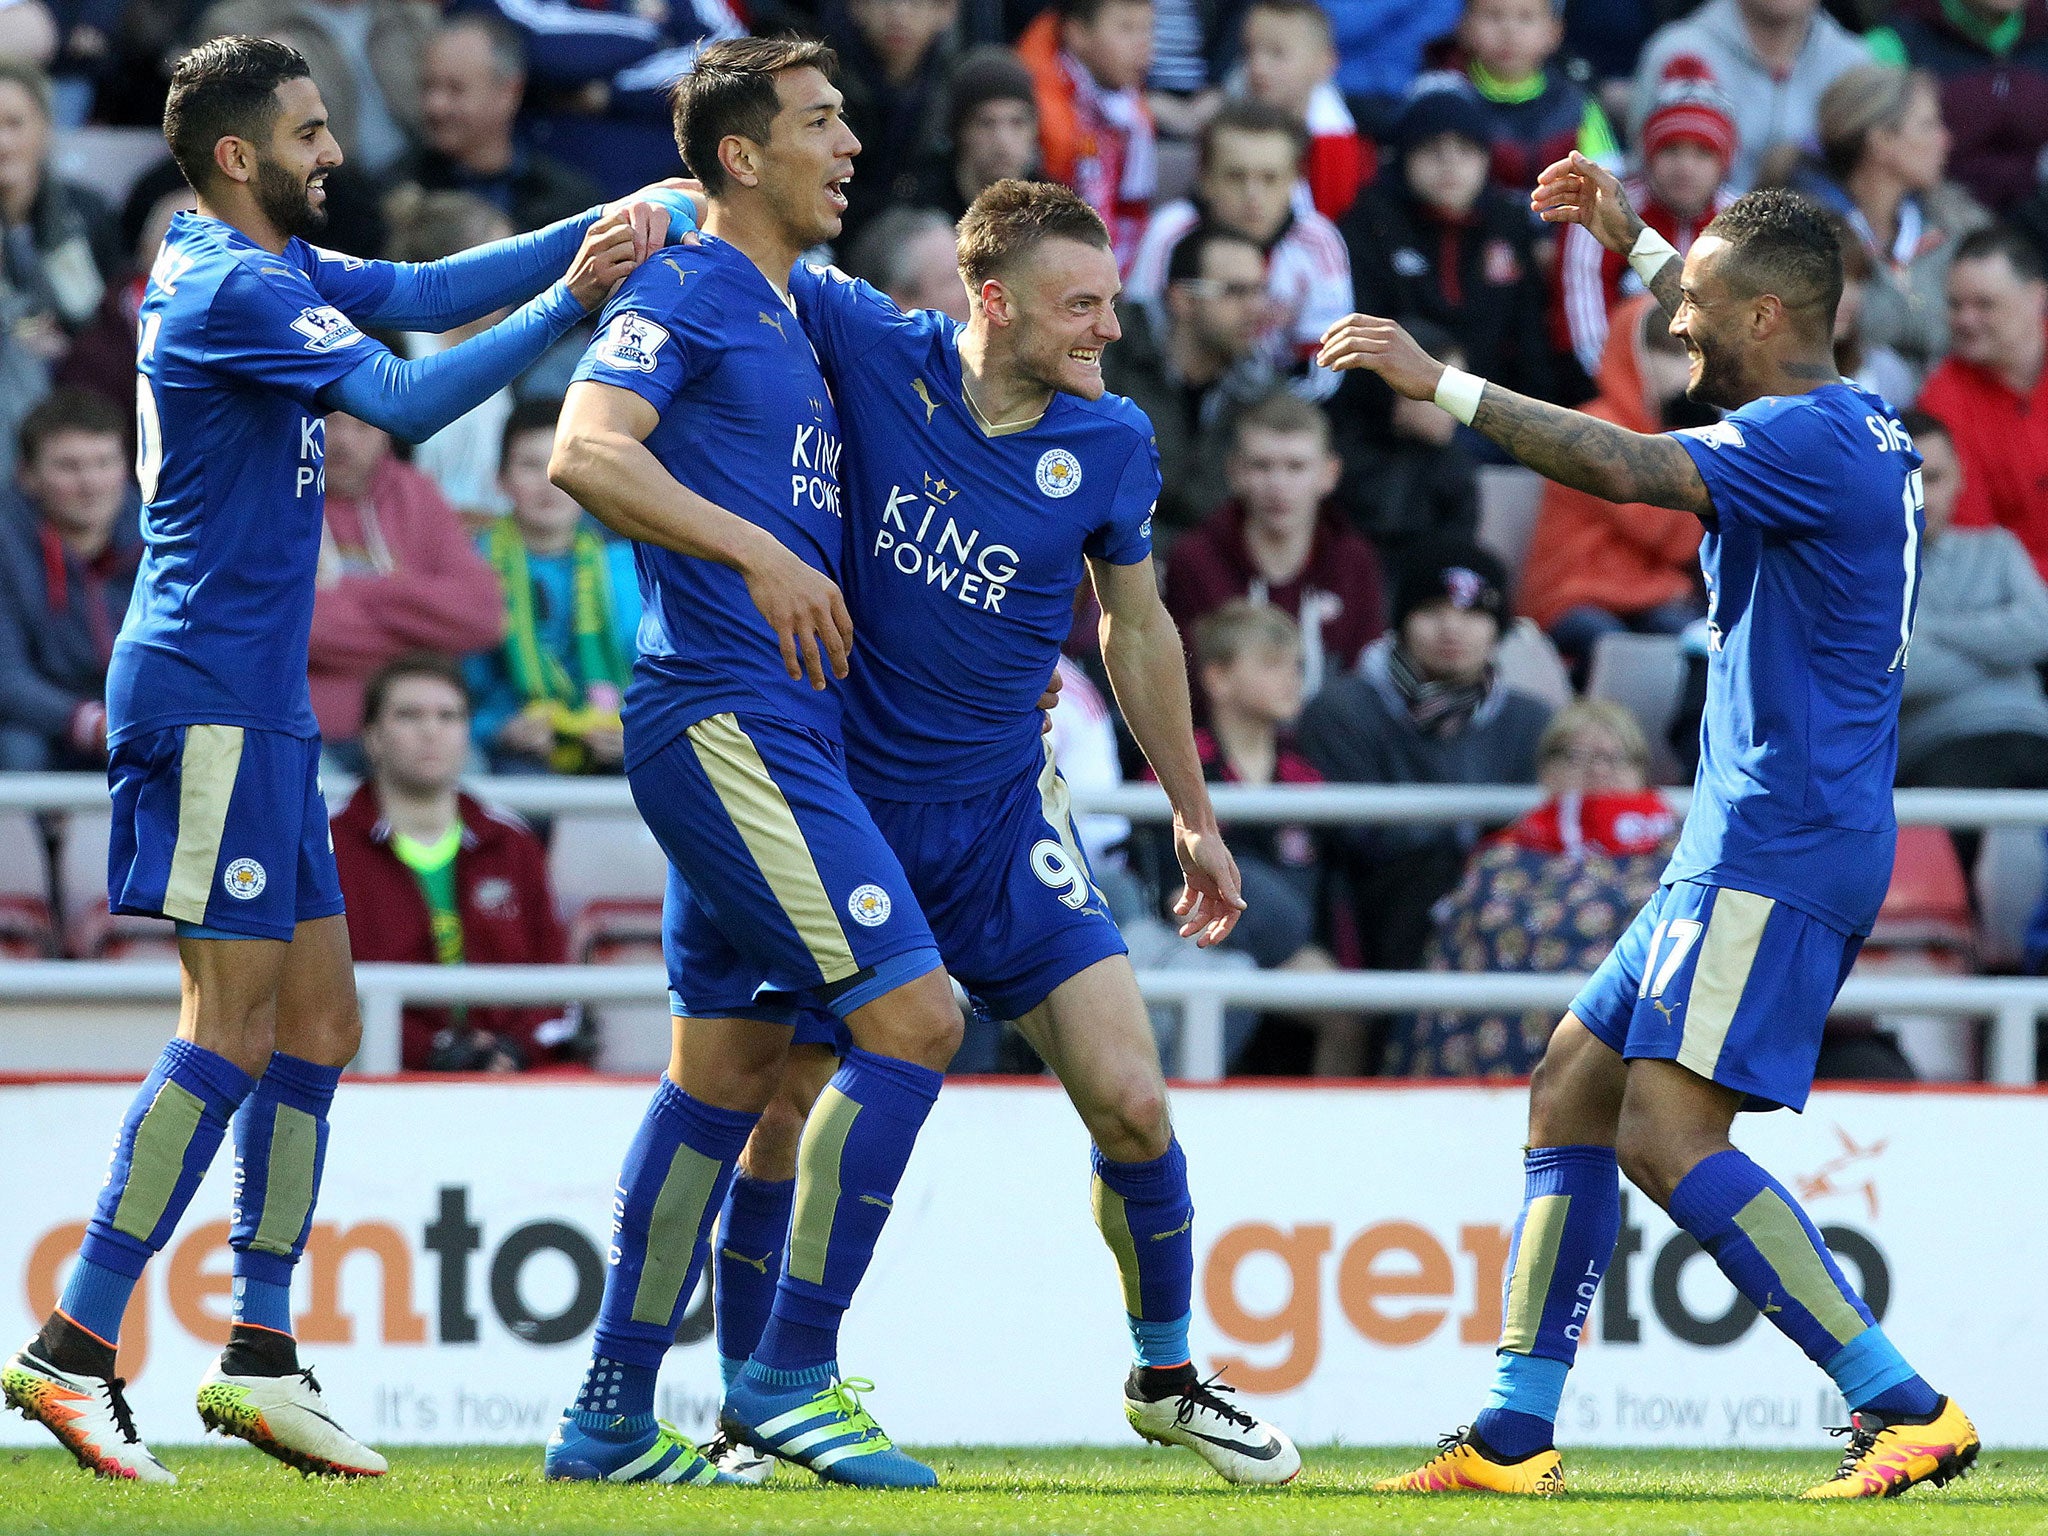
(248, 335)
(699, 425)
(1716, 995)
(988, 476)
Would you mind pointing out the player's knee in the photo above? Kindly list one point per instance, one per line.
(1651, 1156)
(1131, 1125)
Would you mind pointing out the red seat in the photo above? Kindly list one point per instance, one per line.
(616, 931)
(1928, 903)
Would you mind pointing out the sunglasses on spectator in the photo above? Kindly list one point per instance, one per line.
(1217, 288)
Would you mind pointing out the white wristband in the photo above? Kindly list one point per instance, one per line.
(1458, 392)
(1649, 254)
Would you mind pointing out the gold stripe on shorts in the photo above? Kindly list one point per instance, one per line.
(1727, 955)
(1055, 803)
(767, 826)
(207, 767)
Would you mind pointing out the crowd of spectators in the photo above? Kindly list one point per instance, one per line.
(1265, 166)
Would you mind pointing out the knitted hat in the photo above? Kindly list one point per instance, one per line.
(1443, 568)
(1689, 106)
(1438, 103)
(985, 75)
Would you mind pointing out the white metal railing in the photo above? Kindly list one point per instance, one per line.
(2013, 1004)
(1325, 804)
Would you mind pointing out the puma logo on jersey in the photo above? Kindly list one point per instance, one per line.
(930, 405)
(776, 321)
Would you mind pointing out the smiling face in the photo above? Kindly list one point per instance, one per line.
(1061, 302)
(803, 167)
(1713, 323)
(291, 167)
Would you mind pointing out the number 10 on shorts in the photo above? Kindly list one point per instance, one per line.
(1683, 932)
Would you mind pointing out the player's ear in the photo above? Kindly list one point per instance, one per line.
(995, 301)
(235, 157)
(737, 156)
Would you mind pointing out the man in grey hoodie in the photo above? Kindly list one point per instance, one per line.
(1772, 57)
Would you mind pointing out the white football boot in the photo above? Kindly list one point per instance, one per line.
(739, 1461)
(285, 1417)
(1240, 1447)
(87, 1414)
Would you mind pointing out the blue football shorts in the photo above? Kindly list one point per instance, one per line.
(781, 892)
(221, 828)
(1732, 985)
(1006, 887)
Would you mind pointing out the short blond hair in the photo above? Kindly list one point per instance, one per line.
(1012, 218)
(1617, 720)
(1239, 625)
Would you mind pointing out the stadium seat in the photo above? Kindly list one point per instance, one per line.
(1644, 674)
(1928, 901)
(604, 858)
(1509, 499)
(2012, 868)
(26, 931)
(90, 931)
(1529, 662)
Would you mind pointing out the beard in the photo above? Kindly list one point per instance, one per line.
(1719, 383)
(285, 201)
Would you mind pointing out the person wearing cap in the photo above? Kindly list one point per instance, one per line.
(1433, 237)
(1424, 706)
(991, 132)
(1772, 57)
(1881, 166)
(1688, 146)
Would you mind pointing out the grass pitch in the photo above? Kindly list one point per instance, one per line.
(230, 1490)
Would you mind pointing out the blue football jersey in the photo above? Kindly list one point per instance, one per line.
(235, 346)
(964, 547)
(1812, 560)
(748, 424)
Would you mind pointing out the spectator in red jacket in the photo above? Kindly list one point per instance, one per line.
(1281, 541)
(1088, 60)
(397, 573)
(1290, 62)
(433, 876)
(1992, 391)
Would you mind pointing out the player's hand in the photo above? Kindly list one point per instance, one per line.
(606, 745)
(670, 211)
(612, 247)
(1576, 190)
(1211, 894)
(530, 733)
(1049, 701)
(1365, 341)
(804, 609)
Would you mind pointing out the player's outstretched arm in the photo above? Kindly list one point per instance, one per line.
(1576, 190)
(1149, 675)
(416, 398)
(1570, 447)
(439, 295)
(601, 458)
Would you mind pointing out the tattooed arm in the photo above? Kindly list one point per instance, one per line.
(1570, 447)
(1576, 190)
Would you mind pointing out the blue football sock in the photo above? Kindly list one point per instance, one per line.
(172, 1130)
(1765, 1244)
(856, 1144)
(615, 1399)
(280, 1153)
(1145, 1214)
(670, 1189)
(1871, 1373)
(753, 1229)
(1564, 1237)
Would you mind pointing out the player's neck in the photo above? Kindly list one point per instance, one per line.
(241, 214)
(999, 395)
(751, 231)
(424, 816)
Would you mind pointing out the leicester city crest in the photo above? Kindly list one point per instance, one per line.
(1059, 472)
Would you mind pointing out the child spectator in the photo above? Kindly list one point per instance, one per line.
(1991, 57)
(69, 548)
(1551, 893)
(1596, 568)
(1688, 145)
(1537, 112)
(1772, 57)
(433, 876)
(1290, 63)
(547, 700)
(1434, 237)
(1407, 476)
(1251, 158)
(1088, 60)
(992, 132)
(1248, 667)
(396, 574)
(1279, 540)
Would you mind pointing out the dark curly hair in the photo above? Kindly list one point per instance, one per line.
(225, 87)
(1783, 244)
